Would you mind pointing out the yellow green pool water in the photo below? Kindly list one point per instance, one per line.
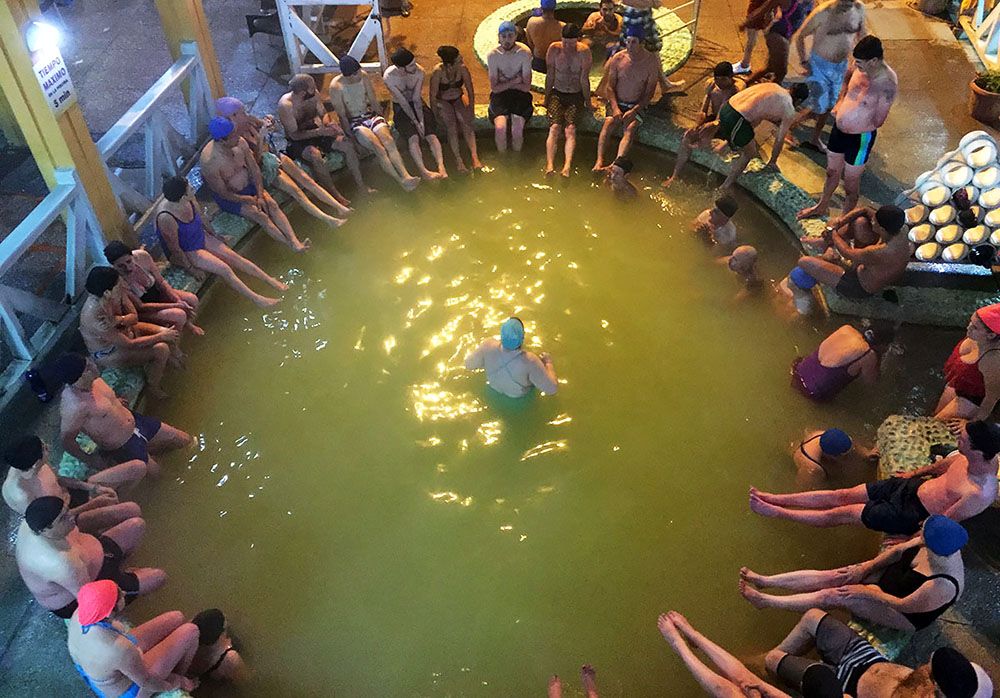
(376, 522)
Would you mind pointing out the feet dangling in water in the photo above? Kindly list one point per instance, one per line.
(410, 183)
(750, 577)
(758, 505)
(755, 598)
(555, 687)
(588, 677)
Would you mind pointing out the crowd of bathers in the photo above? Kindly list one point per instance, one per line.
(77, 533)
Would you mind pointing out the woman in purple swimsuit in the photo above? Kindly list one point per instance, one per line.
(840, 358)
(778, 36)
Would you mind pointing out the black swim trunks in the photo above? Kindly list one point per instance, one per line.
(850, 286)
(407, 129)
(111, 568)
(565, 108)
(855, 147)
(78, 497)
(510, 103)
(893, 506)
(539, 65)
(842, 651)
(137, 447)
(294, 149)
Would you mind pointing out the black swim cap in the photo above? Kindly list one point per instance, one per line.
(67, 369)
(115, 250)
(174, 189)
(401, 57)
(727, 205)
(820, 681)
(799, 92)
(869, 47)
(723, 70)
(571, 31)
(953, 674)
(984, 437)
(624, 163)
(100, 280)
(211, 623)
(43, 512)
(23, 454)
(891, 218)
(447, 54)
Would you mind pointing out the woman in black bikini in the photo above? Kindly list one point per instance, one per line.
(217, 658)
(449, 81)
(907, 586)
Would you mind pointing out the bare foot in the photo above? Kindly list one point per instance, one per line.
(811, 212)
(599, 167)
(196, 331)
(342, 200)
(431, 176)
(410, 183)
(566, 171)
(755, 598)
(278, 284)
(476, 165)
(550, 172)
(588, 677)
(265, 302)
(462, 168)
(335, 222)
(555, 687)
(302, 246)
(751, 577)
(369, 190)
(443, 173)
(667, 182)
(669, 631)
(759, 506)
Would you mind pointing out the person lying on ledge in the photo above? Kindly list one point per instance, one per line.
(906, 587)
(191, 243)
(89, 405)
(959, 486)
(138, 663)
(862, 671)
(94, 501)
(509, 368)
(217, 658)
(237, 185)
(588, 677)
(55, 558)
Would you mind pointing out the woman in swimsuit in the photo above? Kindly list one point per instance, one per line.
(217, 657)
(973, 370)
(449, 81)
(905, 587)
(840, 358)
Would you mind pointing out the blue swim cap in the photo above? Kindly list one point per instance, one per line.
(835, 442)
(943, 536)
(512, 333)
(349, 65)
(547, 4)
(801, 279)
(219, 128)
(507, 26)
(636, 30)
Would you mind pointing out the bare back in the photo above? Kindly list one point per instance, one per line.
(542, 32)
(55, 572)
(764, 101)
(100, 654)
(884, 264)
(843, 347)
(21, 489)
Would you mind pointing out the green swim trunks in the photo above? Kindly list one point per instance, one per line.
(734, 127)
(269, 166)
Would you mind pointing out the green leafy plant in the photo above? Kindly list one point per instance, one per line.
(989, 80)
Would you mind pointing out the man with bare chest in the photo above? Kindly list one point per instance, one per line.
(411, 116)
(862, 108)
(90, 406)
(509, 68)
(541, 32)
(567, 94)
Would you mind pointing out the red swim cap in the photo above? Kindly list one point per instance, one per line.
(990, 315)
(96, 601)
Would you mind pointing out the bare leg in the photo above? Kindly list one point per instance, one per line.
(206, 261)
(150, 578)
(730, 666)
(447, 114)
(465, 125)
(823, 271)
(160, 354)
(747, 153)
(227, 255)
(167, 317)
(102, 518)
(748, 50)
(435, 145)
(570, 148)
(350, 154)
(798, 641)
(821, 120)
(555, 687)
(261, 218)
(169, 438)
(834, 169)
(683, 155)
(816, 499)
(121, 476)
(381, 151)
(627, 136)
(155, 630)
(588, 677)
(805, 580)
(279, 218)
(712, 683)
(418, 158)
(309, 185)
(173, 654)
(852, 185)
(822, 518)
(287, 185)
(317, 164)
(516, 132)
(127, 534)
(152, 467)
(602, 141)
(500, 133)
(551, 144)
(828, 599)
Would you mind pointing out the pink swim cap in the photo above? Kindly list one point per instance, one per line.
(96, 601)
(990, 315)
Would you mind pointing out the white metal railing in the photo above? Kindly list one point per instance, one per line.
(692, 7)
(299, 26)
(67, 202)
(983, 30)
(166, 150)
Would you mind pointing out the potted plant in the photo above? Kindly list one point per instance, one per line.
(984, 98)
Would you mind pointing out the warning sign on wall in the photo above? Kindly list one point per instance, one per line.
(54, 79)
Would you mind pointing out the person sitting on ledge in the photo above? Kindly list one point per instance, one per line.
(907, 587)
(972, 371)
(959, 486)
(872, 268)
(830, 453)
(412, 118)
(540, 32)
(588, 677)
(191, 244)
(157, 301)
(236, 183)
(353, 98)
(217, 658)
(731, 679)
(862, 671)
(509, 68)
(94, 501)
(115, 661)
(90, 406)
(510, 369)
(567, 95)
(55, 558)
(617, 178)
(114, 337)
(716, 225)
(449, 81)
(842, 357)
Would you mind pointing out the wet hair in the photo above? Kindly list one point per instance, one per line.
(301, 82)
(624, 163)
(115, 250)
(100, 280)
(799, 92)
(447, 54)
(727, 205)
(984, 437)
(571, 31)
(891, 218)
(869, 47)
(401, 57)
(968, 218)
(24, 453)
(174, 189)
(953, 674)
(67, 369)
(211, 622)
(723, 70)
(42, 513)
(880, 333)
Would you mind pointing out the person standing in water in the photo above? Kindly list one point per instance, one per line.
(412, 118)
(449, 80)
(567, 94)
(603, 27)
(541, 32)
(510, 369)
(840, 358)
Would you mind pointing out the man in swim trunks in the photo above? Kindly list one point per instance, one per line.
(745, 111)
(353, 98)
(310, 132)
(874, 267)
(835, 26)
(567, 94)
(861, 109)
(90, 406)
(93, 501)
(231, 172)
(959, 487)
(862, 670)
(410, 115)
(542, 31)
(637, 20)
(631, 77)
(509, 68)
(55, 558)
(603, 27)
(509, 368)
(113, 335)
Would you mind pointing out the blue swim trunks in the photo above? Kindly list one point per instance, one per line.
(825, 80)
(234, 207)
